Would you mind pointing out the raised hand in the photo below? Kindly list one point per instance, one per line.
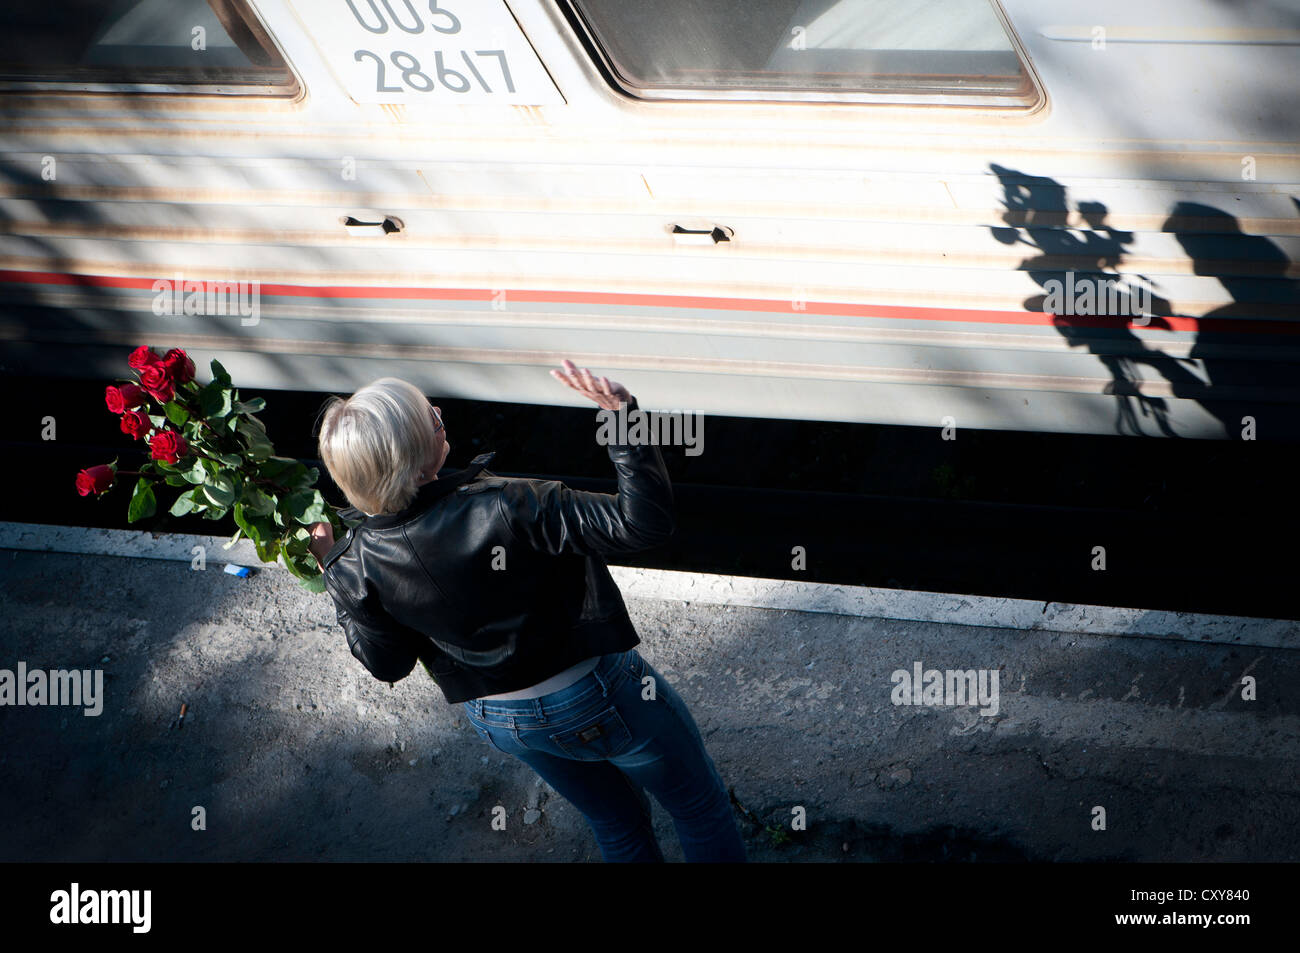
(606, 393)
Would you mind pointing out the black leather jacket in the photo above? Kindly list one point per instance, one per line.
(496, 583)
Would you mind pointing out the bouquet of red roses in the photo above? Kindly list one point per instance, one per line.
(208, 441)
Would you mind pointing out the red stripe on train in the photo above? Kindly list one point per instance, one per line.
(903, 312)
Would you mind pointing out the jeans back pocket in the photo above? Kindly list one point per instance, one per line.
(486, 736)
(592, 739)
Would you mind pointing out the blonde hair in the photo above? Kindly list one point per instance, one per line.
(375, 443)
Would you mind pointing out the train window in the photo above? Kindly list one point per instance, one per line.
(947, 51)
(149, 46)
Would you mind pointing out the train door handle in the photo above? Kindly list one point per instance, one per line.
(366, 222)
(702, 236)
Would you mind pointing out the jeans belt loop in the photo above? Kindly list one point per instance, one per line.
(604, 683)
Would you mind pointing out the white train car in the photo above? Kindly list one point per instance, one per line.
(1039, 215)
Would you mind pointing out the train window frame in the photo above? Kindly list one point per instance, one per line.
(1029, 97)
(164, 82)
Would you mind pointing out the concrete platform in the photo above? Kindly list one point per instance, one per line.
(296, 753)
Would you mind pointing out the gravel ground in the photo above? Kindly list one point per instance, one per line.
(296, 753)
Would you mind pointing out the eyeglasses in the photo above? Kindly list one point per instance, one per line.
(437, 419)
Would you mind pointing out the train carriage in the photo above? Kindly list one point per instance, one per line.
(1030, 215)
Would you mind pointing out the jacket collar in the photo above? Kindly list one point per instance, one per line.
(433, 490)
(427, 494)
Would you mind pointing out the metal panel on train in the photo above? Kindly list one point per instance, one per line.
(1062, 217)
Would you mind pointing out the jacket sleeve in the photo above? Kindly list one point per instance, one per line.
(554, 519)
(384, 646)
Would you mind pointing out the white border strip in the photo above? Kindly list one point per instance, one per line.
(668, 585)
(42, 537)
(954, 608)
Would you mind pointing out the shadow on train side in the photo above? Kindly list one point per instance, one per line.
(1249, 372)
(91, 338)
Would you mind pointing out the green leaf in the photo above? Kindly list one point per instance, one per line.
(258, 503)
(259, 447)
(220, 490)
(275, 467)
(242, 521)
(257, 528)
(176, 413)
(230, 459)
(197, 473)
(219, 372)
(302, 566)
(297, 545)
(250, 406)
(315, 583)
(214, 400)
(210, 468)
(306, 506)
(298, 478)
(267, 550)
(185, 503)
(307, 478)
(158, 420)
(234, 539)
(176, 479)
(142, 505)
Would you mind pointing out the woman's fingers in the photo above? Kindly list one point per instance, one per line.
(588, 384)
(567, 374)
(578, 379)
(562, 379)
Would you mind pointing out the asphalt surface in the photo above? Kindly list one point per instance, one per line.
(295, 752)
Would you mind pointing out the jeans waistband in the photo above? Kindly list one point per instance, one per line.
(601, 680)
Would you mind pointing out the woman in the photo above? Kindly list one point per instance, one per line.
(499, 588)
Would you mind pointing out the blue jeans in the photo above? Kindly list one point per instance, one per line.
(602, 742)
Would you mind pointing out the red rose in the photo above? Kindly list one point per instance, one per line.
(124, 397)
(95, 480)
(180, 365)
(157, 380)
(135, 423)
(168, 446)
(142, 356)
